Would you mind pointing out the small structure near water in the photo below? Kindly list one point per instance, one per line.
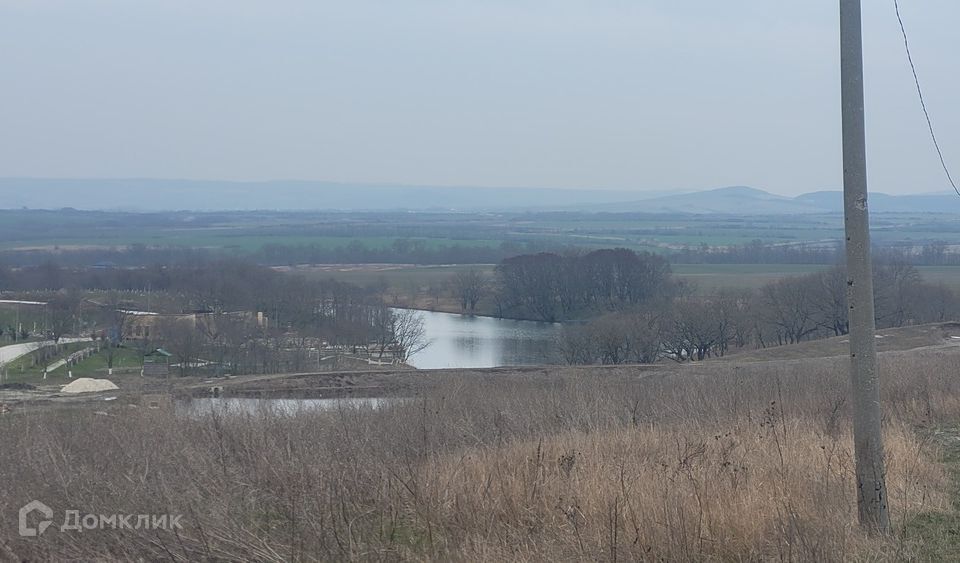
(156, 363)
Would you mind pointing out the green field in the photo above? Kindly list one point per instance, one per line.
(403, 278)
(249, 232)
(708, 278)
(948, 276)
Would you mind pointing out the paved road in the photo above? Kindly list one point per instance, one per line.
(14, 351)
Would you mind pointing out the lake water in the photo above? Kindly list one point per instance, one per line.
(457, 341)
(222, 405)
(464, 341)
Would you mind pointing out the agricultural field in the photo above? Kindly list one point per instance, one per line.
(708, 278)
(248, 233)
(949, 276)
(392, 276)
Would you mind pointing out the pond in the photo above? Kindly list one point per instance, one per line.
(466, 341)
(208, 405)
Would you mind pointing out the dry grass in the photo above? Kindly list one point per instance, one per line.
(719, 462)
(766, 492)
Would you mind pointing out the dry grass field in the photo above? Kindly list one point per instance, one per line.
(721, 461)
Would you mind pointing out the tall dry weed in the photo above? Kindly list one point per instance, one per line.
(715, 462)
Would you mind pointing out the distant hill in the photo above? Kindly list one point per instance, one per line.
(172, 195)
(742, 200)
(733, 200)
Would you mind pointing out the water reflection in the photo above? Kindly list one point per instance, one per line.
(209, 405)
(462, 341)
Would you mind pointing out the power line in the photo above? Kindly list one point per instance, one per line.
(923, 104)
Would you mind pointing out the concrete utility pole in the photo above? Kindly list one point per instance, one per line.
(867, 436)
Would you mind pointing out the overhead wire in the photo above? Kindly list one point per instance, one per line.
(923, 103)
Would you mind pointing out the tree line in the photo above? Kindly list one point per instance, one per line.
(351, 251)
(627, 307)
(407, 250)
(690, 327)
(552, 287)
(210, 310)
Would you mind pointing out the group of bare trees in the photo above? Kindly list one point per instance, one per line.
(614, 338)
(787, 311)
(550, 287)
(222, 316)
(469, 287)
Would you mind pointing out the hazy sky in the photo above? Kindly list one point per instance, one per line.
(628, 94)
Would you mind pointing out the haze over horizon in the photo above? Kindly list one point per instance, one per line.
(563, 94)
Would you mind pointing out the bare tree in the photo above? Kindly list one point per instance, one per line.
(470, 286)
(644, 337)
(693, 330)
(409, 333)
(789, 305)
(615, 338)
(62, 311)
(182, 339)
(381, 329)
(894, 282)
(830, 300)
(576, 344)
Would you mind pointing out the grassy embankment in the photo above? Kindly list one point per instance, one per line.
(716, 461)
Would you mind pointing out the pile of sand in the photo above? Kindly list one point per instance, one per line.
(89, 385)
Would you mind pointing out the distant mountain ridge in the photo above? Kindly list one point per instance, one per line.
(730, 200)
(198, 195)
(743, 200)
(173, 195)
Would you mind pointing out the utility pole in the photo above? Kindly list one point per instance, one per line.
(865, 382)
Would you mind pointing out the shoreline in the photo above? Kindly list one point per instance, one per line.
(450, 311)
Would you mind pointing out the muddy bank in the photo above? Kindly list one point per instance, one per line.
(384, 383)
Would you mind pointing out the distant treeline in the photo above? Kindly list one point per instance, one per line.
(758, 252)
(634, 310)
(786, 311)
(436, 252)
(401, 251)
(327, 310)
(218, 285)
